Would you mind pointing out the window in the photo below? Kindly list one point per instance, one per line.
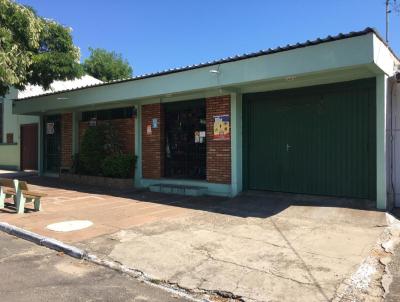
(110, 114)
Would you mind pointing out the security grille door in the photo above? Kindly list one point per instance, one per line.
(52, 143)
(185, 141)
(316, 140)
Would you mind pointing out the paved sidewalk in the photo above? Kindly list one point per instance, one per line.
(109, 210)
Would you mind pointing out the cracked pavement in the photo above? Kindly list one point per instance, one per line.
(303, 252)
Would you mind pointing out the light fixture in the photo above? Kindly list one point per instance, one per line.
(214, 71)
(62, 98)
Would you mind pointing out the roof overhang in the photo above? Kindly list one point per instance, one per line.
(339, 60)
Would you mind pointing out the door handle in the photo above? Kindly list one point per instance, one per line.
(288, 147)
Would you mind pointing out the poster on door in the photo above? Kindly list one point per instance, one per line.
(50, 128)
(222, 128)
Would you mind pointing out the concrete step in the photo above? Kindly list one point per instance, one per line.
(178, 189)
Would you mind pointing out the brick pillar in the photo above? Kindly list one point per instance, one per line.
(153, 143)
(66, 140)
(218, 151)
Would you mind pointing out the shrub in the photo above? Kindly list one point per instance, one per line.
(92, 151)
(118, 166)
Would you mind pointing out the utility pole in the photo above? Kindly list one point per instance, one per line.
(391, 6)
(388, 11)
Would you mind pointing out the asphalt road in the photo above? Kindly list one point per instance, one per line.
(32, 273)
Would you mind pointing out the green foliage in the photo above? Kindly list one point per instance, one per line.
(92, 151)
(101, 154)
(34, 50)
(107, 66)
(118, 166)
(113, 143)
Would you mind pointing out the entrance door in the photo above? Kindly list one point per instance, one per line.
(316, 140)
(29, 147)
(52, 143)
(185, 142)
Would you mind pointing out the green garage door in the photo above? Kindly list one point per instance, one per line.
(315, 140)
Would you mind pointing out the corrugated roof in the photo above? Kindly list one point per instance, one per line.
(244, 56)
(57, 86)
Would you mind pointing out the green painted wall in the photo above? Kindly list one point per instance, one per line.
(9, 156)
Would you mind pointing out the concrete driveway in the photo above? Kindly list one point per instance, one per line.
(256, 247)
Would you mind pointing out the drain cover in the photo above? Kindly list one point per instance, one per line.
(69, 226)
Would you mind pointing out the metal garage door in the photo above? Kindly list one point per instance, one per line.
(315, 140)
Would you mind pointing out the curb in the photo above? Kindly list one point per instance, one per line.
(142, 277)
(50, 243)
(75, 252)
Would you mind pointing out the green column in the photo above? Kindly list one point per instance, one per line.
(381, 185)
(40, 146)
(236, 143)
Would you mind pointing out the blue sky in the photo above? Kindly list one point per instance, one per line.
(159, 34)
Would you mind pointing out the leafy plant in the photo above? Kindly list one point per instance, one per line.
(113, 144)
(92, 151)
(101, 154)
(118, 166)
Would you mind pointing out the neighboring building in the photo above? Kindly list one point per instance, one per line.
(309, 118)
(19, 133)
(11, 127)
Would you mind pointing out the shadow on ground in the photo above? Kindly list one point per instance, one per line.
(259, 204)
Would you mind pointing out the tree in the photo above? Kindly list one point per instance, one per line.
(107, 66)
(34, 50)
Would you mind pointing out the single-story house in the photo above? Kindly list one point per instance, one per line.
(19, 133)
(319, 117)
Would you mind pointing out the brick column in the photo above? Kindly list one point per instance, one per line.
(218, 152)
(153, 143)
(66, 140)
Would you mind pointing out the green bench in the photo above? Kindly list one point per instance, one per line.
(21, 194)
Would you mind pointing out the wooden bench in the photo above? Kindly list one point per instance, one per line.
(7, 190)
(21, 194)
(24, 195)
